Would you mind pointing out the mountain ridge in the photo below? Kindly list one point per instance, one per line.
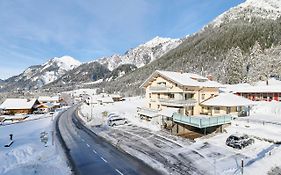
(254, 40)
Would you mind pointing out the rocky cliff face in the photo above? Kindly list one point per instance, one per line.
(143, 54)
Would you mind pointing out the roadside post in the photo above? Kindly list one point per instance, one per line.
(242, 166)
(11, 136)
(53, 137)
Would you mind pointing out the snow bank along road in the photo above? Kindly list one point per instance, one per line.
(91, 154)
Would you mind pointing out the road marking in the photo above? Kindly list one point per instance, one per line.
(119, 171)
(103, 159)
(88, 145)
(83, 140)
(94, 151)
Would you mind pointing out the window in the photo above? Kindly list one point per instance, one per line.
(176, 85)
(202, 96)
(188, 96)
(150, 95)
(158, 95)
(217, 110)
(171, 95)
(149, 105)
(228, 110)
(161, 83)
(158, 106)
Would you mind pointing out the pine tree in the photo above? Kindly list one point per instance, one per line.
(234, 66)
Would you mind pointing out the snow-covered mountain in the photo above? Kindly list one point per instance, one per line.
(143, 54)
(266, 9)
(39, 75)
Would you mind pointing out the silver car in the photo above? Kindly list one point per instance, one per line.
(117, 120)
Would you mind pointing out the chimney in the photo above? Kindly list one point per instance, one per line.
(210, 77)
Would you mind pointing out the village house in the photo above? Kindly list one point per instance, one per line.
(19, 106)
(227, 103)
(264, 93)
(261, 91)
(182, 101)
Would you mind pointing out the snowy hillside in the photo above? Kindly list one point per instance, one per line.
(55, 68)
(39, 75)
(143, 54)
(266, 9)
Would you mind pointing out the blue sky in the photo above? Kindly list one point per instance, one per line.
(33, 31)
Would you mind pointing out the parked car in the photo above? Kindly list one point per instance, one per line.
(239, 141)
(117, 120)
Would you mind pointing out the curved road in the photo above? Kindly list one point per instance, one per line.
(90, 154)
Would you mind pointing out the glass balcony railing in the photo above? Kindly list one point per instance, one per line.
(202, 121)
(177, 102)
(159, 88)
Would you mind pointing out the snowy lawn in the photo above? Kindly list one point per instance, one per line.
(264, 124)
(28, 155)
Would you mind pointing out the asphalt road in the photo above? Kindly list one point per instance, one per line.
(91, 154)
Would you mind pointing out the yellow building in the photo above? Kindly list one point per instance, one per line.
(227, 103)
(184, 91)
(185, 101)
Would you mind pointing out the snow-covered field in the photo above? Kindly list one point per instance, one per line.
(28, 155)
(207, 155)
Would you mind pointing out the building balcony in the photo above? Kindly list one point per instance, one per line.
(159, 88)
(177, 102)
(201, 121)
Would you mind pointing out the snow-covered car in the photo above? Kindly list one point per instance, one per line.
(117, 120)
(239, 141)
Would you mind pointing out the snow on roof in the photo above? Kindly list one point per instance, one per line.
(106, 100)
(16, 103)
(185, 79)
(274, 86)
(228, 99)
(271, 81)
(48, 99)
(255, 89)
(168, 112)
(148, 112)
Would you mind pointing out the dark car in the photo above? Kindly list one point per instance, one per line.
(239, 141)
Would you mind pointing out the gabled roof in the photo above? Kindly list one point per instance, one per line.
(184, 79)
(16, 103)
(228, 100)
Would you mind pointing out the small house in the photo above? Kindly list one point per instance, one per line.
(227, 103)
(19, 106)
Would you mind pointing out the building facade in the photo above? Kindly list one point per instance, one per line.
(179, 90)
(186, 101)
